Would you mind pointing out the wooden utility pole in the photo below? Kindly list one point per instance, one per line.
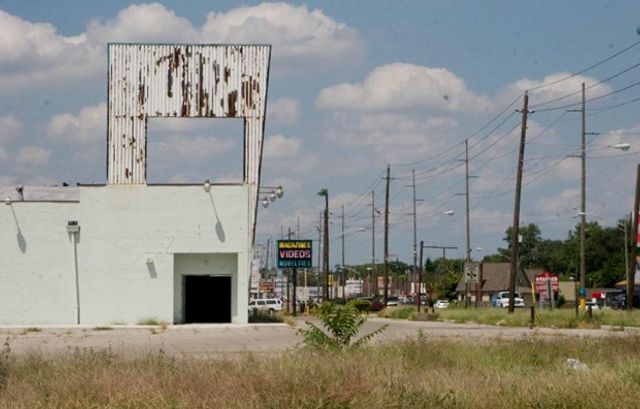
(583, 207)
(415, 226)
(319, 258)
(631, 277)
(342, 261)
(325, 247)
(466, 162)
(386, 236)
(419, 280)
(373, 287)
(516, 207)
(468, 252)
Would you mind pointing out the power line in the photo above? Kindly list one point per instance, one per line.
(591, 99)
(589, 87)
(575, 74)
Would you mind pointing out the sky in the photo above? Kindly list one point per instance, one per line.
(355, 86)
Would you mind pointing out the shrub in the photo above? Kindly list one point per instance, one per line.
(360, 305)
(342, 323)
(399, 313)
(377, 305)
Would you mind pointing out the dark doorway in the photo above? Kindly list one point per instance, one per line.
(207, 299)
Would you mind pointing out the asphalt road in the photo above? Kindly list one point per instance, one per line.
(213, 340)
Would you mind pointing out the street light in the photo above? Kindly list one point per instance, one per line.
(583, 208)
(272, 192)
(421, 269)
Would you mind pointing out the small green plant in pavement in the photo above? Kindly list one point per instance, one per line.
(341, 324)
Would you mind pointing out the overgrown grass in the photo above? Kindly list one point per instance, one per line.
(556, 318)
(152, 321)
(398, 313)
(258, 317)
(419, 373)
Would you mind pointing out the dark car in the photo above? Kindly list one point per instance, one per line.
(620, 301)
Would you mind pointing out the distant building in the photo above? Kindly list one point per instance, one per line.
(494, 277)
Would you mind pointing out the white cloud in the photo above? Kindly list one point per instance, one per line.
(34, 52)
(294, 32)
(283, 111)
(177, 149)
(87, 126)
(402, 87)
(143, 23)
(7, 180)
(9, 128)
(280, 147)
(559, 88)
(395, 138)
(33, 156)
(566, 200)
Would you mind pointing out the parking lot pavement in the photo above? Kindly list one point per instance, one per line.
(213, 340)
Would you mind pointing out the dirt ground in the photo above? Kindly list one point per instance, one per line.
(213, 340)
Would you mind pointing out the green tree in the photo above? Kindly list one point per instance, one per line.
(527, 247)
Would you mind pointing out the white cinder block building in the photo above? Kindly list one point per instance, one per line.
(126, 251)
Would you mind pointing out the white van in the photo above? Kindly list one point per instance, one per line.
(270, 305)
(502, 300)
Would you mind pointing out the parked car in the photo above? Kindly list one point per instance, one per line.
(502, 300)
(270, 305)
(393, 301)
(441, 304)
(593, 304)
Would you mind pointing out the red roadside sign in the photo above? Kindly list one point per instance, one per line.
(541, 283)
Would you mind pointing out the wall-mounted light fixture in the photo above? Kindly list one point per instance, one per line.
(207, 186)
(7, 201)
(20, 190)
(149, 261)
(73, 226)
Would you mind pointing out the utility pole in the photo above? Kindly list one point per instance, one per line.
(373, 287)
(415, 228)
(419, 280)
(631, 276)
(386, 236)
(516, 207)
(468, 252)
(325, 248)
(466, 167)
(342, 265)
(325, 242)
(266, 259)
(583, 206)
(319, 268)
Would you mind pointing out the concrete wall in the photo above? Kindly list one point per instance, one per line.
(126, 246)
(37, 280)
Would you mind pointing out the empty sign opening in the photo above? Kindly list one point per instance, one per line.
(190, 150)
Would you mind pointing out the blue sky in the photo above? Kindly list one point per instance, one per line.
(355, 85)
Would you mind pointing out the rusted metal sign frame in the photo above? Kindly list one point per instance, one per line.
(184, 80)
